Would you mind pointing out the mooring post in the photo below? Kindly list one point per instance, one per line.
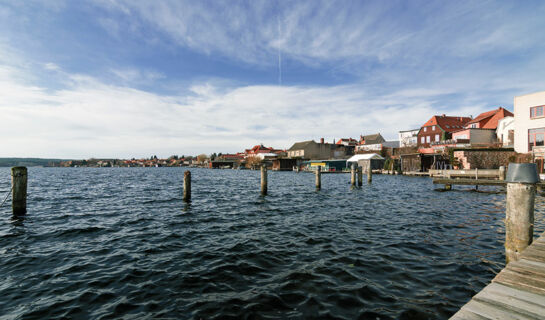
(502, 173)
(369, 173)
(353, 174)
(19, 186)
(318, 178)
(187, 186)
(519, 208)
(263, 180)
(360, 176)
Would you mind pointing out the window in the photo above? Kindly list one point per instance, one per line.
(428, 139)
(422, 139)
(425, 129)
(536, 112)
(436, 137)
(473, 125)
(536, 138)
(433, 128)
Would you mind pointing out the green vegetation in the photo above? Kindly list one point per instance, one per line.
(29, 162)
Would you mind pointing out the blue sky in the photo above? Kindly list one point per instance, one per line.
(130, 78)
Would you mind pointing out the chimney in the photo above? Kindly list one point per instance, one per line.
(322, 140)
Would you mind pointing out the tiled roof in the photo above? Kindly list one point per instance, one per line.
(448, 123)
(373, 139)
(490, 118)
(300, 145)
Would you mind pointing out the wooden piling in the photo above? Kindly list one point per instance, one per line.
(187, 186)
(519, 219)
(360, 176)
(369, 173)
(318, 178)
(353, 175)
(263, 180)
(19, 190)
(502, 173)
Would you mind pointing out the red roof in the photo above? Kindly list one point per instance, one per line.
(261, 149)
(489, 119)
(448, 123)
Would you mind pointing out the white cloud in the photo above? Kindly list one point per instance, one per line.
(90, 118)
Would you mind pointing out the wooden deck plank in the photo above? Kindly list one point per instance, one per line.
(522, 302)
(517, 292)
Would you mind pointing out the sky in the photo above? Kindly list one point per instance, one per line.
(130, 78)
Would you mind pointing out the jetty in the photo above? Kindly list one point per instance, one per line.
(517, 292)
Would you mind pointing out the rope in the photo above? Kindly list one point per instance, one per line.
(6, 198)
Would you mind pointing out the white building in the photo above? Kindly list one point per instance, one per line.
(408, 138)
(530, 123)
(505, 131)
(377, 146)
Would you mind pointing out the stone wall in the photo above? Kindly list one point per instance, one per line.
(483, 159)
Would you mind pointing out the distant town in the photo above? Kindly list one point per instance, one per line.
(489, 140)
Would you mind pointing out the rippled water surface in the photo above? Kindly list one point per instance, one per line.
(120, 243)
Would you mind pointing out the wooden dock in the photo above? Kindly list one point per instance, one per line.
(517, 292)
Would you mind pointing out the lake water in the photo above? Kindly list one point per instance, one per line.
(107, 243)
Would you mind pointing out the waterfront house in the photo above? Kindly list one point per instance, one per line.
(530, 126)
(365, 160)
(505, 132)
(311, 150)
(377, 147)
(408, 138)
(439, 128)
(347, 142)
(481, 131)
(371, 139)
(260, 149)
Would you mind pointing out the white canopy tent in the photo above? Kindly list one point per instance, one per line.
(366, 156)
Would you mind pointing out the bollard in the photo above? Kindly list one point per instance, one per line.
(318, 178)
(519, 209)
(263, 180)
(360, 176)
(19, 186)
(187, 186)
(502, 173)
(353, 174)
(369, 173)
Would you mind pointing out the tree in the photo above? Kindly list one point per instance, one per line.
(253, 161)
(202, 158)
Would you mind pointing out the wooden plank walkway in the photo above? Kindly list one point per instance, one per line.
(517, 292)
(476, 182)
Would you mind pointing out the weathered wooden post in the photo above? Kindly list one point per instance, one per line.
(519, 208)
(360, 176)
(19, 186)
(502, 173)
(353, 175)
(318, 177)
(369, 173)
(187, 186)
(263, 180)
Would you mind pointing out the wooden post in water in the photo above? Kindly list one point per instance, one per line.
(19, 186)
(369, 173)
(360, 176)
(519, 219)
(353, 175)
(263, 180)
(318, 177)
(187, 186)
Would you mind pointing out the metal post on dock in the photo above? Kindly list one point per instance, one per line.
(360, 176)
(187, 186)
(369, 173)
(263, 180)
(19, 187)
(318, 177)
(353, 175)
(519, 208)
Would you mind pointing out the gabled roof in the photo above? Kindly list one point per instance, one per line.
(366, 156)
(300, 145)
(447, 123)
(373, 139)
(491, 118)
